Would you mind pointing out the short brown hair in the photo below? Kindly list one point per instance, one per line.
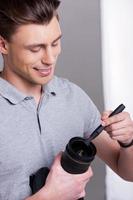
(14, 13)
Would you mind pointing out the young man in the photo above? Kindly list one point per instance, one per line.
(39, 112)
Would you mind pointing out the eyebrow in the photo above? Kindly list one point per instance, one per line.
(42, 44)
(59, 37)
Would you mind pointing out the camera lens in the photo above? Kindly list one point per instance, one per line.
(79, 150)
(77, 156)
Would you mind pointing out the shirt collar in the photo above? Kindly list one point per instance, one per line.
(51, 87)
(57, 86)
(12, 94)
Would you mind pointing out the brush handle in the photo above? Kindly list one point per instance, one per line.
(100, 128)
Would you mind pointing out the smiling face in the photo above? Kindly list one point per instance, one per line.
(31, 55)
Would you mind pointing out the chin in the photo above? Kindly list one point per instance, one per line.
(43, 81)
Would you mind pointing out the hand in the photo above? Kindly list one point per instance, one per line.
(119, 127)
(64, 186)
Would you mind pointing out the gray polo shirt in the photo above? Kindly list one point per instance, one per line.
(30, 137)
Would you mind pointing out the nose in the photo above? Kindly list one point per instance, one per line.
(48, 57)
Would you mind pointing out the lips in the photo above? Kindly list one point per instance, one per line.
(43, 71)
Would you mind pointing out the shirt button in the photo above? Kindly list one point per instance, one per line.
(28, 98)
(53, 93)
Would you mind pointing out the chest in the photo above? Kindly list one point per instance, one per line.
(30, 140)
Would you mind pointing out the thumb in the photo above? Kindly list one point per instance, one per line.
(57, 158)
(105, 115)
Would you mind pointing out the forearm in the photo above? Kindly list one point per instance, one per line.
(125, 163)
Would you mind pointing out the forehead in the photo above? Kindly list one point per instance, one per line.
(36, 33)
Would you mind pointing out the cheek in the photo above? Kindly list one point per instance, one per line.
(30, 57)
(57, 52)
(27, 58)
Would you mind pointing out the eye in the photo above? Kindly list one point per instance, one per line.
(35, 50)
(55, 44)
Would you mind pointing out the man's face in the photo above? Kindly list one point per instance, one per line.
(33, 52)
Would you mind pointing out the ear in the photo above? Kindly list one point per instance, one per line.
(3, 46)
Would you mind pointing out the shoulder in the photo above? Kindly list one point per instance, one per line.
(87, 108)
(63, 84)
(72, 91)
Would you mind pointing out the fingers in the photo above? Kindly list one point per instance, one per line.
(56, 162)
(119, 127)
(124, 135)
(105, 115)
(88, 175)
(57, 158)
(73, 185)
(116, 118)
(85, 177)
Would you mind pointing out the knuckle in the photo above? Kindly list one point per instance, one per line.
(126, 114)
(82, 194)
(91, 173)
(112, 127)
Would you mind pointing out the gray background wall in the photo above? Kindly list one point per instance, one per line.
(80, 62)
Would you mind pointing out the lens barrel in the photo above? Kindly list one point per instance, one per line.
(78, 156)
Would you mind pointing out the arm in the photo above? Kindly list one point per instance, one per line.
(118, 128)
(62, 185)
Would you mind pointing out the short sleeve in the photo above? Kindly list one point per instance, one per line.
(88, 110)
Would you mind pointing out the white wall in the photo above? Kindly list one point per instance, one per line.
(117, 45)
